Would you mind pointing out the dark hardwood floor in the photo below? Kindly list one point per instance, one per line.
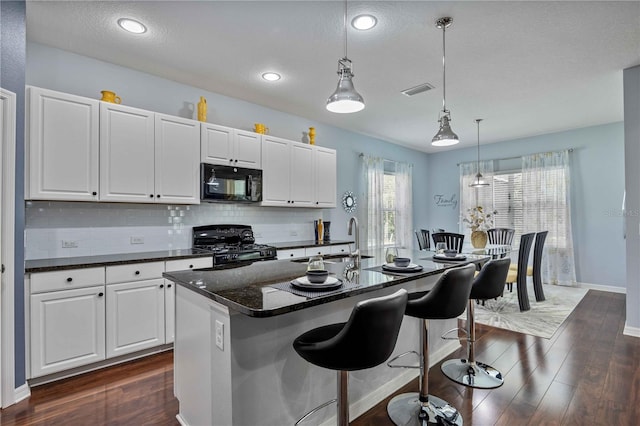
(588, 373)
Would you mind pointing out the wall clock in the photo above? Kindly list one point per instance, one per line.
(349, 202)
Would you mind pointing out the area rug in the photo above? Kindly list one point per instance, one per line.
(543, 319)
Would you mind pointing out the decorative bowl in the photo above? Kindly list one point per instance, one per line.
(317, 276)
(402, 262)
(451, 253)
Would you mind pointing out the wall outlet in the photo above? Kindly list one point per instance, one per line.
(69, 244)
(220, 335)
(137, 240)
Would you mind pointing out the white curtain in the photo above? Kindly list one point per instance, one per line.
(472, 197)
(546, 207)
(371, 217)
(404, 205)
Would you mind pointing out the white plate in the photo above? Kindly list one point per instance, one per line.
(454, 258)
(412, 267)
(303, 282)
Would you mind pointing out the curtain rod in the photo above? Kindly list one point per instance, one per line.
(513, 158)
(362, 154)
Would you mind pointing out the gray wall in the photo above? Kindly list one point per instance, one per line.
(632, 183)
(12, 77)
(597, 187)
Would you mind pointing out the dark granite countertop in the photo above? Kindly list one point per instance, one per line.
(307, 243)
(246, 289)
(45, 265)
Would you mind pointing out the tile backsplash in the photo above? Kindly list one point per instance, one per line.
(65, 229)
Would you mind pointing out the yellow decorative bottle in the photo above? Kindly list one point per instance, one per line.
(202, 109)
(312, 135)
(320, 230)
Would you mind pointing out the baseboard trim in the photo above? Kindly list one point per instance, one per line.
(609, 288)
(631, 331)
(366, 403)
(22, 392)
(181, 420)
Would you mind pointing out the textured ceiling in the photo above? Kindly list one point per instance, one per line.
(526, 67)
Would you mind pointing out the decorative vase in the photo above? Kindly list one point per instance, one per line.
(327, 232)
(202, 109)
(478, 239)
(312, 136)
(305, 137)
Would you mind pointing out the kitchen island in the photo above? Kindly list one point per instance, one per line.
(234, 360)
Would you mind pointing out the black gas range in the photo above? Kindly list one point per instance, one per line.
(231, 244)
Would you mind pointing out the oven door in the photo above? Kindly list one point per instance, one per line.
(230, 184)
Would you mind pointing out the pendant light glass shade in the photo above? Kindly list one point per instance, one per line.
(345, 99)
(445, 136)
(478, 181)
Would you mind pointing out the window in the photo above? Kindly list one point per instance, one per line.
(389, 213)
(507, 201)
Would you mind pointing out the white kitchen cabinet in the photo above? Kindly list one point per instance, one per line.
(230, 147)
(341, 249)
(62, 146)
(177, 160)
(325, 182)
(291, 253)
(147, 157)
(67, 329)
(126, 154)
(287, 177)
(135, 316)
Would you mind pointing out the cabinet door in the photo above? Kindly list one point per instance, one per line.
(302, 179)
(169, 311)
(248, 149)
(177, 160)
(135, 316)
(325, 177)
(67, 329)
(126, 154)
(216, 144)
(62, 146)
(275, 172)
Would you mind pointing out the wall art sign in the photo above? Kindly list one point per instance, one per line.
(442, 200)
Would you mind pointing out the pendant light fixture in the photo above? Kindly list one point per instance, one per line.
(445, 136)
(478, 181)
(345, 99)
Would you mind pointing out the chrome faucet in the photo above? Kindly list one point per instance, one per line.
(355, 255)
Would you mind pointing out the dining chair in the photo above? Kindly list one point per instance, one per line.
(451, 239)
(423, 244)
(519, 276)
(426, 236)
(537, 265)
(502, 236)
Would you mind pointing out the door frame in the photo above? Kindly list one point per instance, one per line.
(7, 247)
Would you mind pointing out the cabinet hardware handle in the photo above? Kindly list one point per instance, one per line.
(69, 279)
(161, 285)
(169, 285)
(317, 202)
(235, 161)
(291, 255)
(190, 266)
(94, 193)
(151, 195)
(158, 196)
(100, 294)
(292, 201)
(137, 272)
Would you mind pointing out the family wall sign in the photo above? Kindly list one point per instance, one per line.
(442, 200)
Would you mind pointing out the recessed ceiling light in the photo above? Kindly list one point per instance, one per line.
(364, 22)
(271, 76)
(132, 25)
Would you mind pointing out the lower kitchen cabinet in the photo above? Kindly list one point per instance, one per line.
(67, 329)
(135, 316)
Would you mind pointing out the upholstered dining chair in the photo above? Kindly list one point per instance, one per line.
(535, 271)
(451, 239)
(519, 275)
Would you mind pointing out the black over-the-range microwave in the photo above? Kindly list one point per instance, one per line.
(230, 184)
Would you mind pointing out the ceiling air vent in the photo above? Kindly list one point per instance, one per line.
(418, 89)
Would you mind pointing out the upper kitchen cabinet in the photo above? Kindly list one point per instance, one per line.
(230, 147)
(287, 176)
(147, 157)
(62, 146)
(325, 167)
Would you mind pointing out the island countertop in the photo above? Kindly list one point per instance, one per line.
(249, 289)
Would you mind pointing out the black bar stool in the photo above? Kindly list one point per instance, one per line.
(446, 300)
(489, 284)
(367, 339)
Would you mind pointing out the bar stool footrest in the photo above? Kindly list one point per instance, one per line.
(445, 337)
(402, 355)
(315, 410)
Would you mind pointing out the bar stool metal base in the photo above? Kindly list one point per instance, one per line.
(407, 410)
(477, 375)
